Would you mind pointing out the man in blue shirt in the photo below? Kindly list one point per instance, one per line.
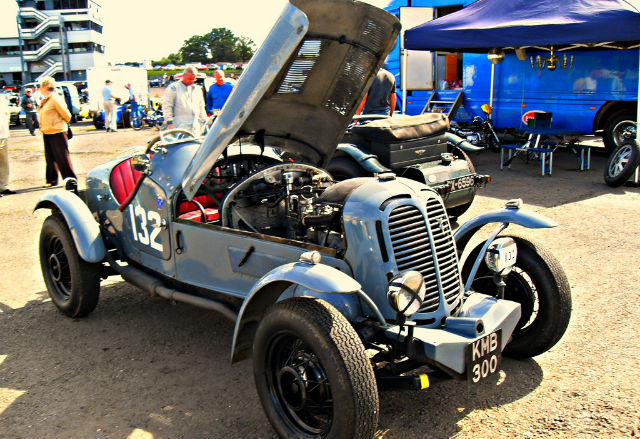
(218, 93)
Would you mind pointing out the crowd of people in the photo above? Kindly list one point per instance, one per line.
(186, 105)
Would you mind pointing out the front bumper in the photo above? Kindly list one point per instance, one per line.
(445, 347)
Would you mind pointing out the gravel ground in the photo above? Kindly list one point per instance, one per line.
(140, 367)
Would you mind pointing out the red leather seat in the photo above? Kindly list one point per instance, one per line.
(123, 180)
(190, 211)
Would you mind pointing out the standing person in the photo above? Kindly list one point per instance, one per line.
(4, 147)
(218, 93)
(381, 98)
(109, 102)
(54, 117)
(133, 103)
(183, 103)
(29, 106)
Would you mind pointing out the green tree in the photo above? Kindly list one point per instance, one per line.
(194, 49)
(245, 48)
(222, 44)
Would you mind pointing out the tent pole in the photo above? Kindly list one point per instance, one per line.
(636, 178)
(493, 76)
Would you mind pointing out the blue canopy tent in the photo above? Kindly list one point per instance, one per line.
(495, 25)
(510, 24)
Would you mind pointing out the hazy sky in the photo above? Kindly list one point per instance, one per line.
(135, 30)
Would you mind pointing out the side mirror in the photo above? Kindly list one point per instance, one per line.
(486, 108)
(140, 162)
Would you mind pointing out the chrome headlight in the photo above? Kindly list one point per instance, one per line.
(406, 292)
(501, 255)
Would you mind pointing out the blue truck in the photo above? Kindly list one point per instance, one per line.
(596, 93)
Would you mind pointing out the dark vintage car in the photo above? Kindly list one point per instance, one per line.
(336, 289)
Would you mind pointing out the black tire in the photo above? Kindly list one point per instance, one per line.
(73, 284)
(622, 163)
(126, 118)
(99, 124)
(344, 168)
(538, 283)
(455, 212)
(304, 339)
(615, 127)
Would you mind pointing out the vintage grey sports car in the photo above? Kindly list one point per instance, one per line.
(336, 289)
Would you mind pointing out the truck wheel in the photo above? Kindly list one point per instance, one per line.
(312, 374)
(540, 286)
(620, 128)
(344, 168)
(73, 284)
(621, 164)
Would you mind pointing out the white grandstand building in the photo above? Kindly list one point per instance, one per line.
(59, 38)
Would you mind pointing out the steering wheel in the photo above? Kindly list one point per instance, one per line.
(169, 136)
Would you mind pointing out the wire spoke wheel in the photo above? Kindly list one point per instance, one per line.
(540, 286)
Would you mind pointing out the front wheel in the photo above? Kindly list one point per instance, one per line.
(538, 283)
(312, 374)
(621, 164)
(73, 284)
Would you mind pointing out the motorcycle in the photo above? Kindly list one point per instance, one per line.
(480, 131)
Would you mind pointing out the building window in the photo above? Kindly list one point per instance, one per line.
(70, 4)
(96, 27)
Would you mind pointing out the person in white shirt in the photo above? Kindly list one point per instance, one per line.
(108, 100)
(4, 147)
(183, 103)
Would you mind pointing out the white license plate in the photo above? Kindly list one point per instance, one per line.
(483, 356)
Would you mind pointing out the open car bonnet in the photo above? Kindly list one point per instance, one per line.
(303, 85)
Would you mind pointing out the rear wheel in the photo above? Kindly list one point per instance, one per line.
(619, 129)
(538, 283)
(621, 164)
(312, 374)
(73, 284)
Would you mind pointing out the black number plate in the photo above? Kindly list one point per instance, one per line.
(483, 356)
(462, 182)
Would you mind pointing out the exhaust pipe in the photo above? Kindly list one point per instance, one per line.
(461, 143)
(155, 287)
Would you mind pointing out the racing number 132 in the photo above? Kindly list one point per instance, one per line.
(144, 237)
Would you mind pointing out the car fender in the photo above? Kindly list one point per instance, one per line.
(369, 162)
(84, 229)
(319, 278)
(522, 217)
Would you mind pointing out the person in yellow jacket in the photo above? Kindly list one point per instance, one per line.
(54, 117)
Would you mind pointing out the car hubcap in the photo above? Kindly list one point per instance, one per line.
(59, 271)
(299, 386)
(620, 161)
(624, 131)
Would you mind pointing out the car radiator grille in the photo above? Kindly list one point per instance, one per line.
(411, 244)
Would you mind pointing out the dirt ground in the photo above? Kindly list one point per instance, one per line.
(140, 367)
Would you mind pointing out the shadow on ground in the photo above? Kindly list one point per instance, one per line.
(567, 184)
(141, 363)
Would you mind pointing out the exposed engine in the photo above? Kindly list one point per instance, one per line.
(286, 200)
